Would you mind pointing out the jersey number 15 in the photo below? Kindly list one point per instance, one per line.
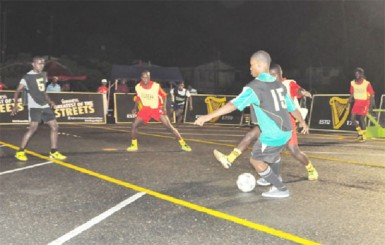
(279, 99)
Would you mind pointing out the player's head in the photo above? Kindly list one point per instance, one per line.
(259, 63)
(359, 73)
(181, 85)
(145, 76)
(55, 79)
(276, 71)
(38, 63)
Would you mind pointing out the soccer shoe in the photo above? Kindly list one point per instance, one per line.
(222, 158)
(312, 174)
(186, 147)
(361, 138)
(263, 182)
(132, 148)
(21, 156)
(57, 155)
(275, 193)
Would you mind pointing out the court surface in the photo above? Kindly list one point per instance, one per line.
(102, 194)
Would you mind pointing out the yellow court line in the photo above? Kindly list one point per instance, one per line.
(233, 145)
(211, 212)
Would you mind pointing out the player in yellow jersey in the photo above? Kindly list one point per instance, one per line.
(152, 97)
(363, 94)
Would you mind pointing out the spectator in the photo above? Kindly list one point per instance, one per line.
(121, 87)
(2, 85)
(104, 90)
(192, 90)
(179, 97)
(66, 87)
(54, 86)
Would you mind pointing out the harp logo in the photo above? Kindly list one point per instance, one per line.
(213, 104)
(340, 111)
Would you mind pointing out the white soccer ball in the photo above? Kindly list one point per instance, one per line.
(246, 182)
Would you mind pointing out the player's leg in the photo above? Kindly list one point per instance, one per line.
(20, 154)
(363, 127)
(356, 123)
(134, 133)
(271, 173)
(227, 160)
(179, 115)
(166, 122)
(54, 127)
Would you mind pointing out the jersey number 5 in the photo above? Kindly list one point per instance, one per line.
(40, 84)
(279, 99)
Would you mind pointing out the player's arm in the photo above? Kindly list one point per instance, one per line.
(134, 109)
(19, 89)
(50, 102)
(303, 92)
(291, 107)
(226, 109)
(351, 97)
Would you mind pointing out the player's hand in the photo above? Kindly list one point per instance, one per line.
(306, 94)
(14, 111)
(305, 128)
(201, 120)
(52, 104)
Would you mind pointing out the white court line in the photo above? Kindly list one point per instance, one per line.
(96, 220)
(2, 146)
(341, 153)
(28, 167)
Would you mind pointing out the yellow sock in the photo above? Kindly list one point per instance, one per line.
(363, 133)
(134, 142)
(309, 167)
(234, 155)
(181, 142)
(359, 130)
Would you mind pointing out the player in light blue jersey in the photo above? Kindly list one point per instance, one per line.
(271, 105)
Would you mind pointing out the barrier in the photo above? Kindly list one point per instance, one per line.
(123, 105)
(206, 103)
(330, 112)
(71, 107)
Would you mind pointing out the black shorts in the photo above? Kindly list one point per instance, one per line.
(41, 114)
(269, 154)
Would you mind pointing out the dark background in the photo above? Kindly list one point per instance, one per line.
(297, 34)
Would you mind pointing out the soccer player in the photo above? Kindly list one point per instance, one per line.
(295, 91)
(39, 108)
(363, 94)
(179, 97)
(152, 97)
(271, 104)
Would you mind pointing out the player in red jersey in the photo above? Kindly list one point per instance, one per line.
(153, 105)
(363, 94)
(295, 92)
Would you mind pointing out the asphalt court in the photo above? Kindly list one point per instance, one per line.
(102, 194)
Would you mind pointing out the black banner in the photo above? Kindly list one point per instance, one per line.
(123, 105)
(331, 112)
(70, 107)
(6, 105)
(206, 103)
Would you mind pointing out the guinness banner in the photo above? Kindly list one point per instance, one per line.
(123, 105)
(331, 112)
(206, 103)
(86, 108)
(6, 105)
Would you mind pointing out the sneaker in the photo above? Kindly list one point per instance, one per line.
(132, 148)
(57, 155)
(222, 158)
(361, 138)
(312, 174)
(186, 147)
(275, 193)
(263, 182)
(21, 156)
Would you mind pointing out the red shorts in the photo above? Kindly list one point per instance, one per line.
(146, 113)
(294, 139)
(360, 109)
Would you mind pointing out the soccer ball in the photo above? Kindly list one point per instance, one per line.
(246, 182)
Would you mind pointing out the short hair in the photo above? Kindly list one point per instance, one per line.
(35, 58)
(180, 82)
(262, 56)
(145, 72)
(360, 70)
(276, 67)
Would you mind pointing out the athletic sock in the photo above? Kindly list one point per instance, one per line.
(234, 155)
(363, 134)
(309, 167)
(273, 179)
(53, 150)
(276, 167)
(134, 142)
(358, 129)
(182, 142)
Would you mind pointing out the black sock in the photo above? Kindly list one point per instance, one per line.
(53, 150)
(272, 178)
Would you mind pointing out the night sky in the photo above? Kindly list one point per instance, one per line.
(297, 34)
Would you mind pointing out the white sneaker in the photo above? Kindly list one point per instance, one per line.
(263, 182)
(222, 158)
(275, 193)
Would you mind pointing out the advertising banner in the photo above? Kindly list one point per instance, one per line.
(123, 105)
(206, 103)
(86, 108)
(331, 112)
(6, 105)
